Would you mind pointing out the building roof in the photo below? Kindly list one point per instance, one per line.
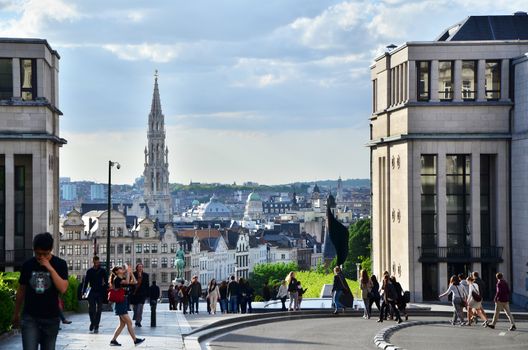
(201, 234)
(254, 197)
(484, 28)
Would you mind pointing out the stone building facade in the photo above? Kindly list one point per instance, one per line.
(29, 147)
(441, 155)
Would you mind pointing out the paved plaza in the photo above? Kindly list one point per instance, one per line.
(305, 333)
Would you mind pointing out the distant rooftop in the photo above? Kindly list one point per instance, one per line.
(483, 28)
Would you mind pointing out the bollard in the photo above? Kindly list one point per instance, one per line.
(153, 305)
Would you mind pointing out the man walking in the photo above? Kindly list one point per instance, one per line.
(233, 289)
(139, 294)
(154, 294)
(94, 288)
(195, 291)
(42, 279)
(502, 302)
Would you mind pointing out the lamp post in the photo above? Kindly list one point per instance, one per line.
(118, 166)
(358, 267)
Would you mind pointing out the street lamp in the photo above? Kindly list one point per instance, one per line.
(118, 166)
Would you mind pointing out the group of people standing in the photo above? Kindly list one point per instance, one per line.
(292, 288)
(466, 293)
(233, 296)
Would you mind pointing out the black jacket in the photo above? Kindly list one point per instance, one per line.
(233, 289)
(97, 280)
(154, 293)
(140, 292)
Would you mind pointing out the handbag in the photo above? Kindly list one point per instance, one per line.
(476, 295)
(116, 295)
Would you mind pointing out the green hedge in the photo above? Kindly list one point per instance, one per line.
(314, 281)
(8, 285)
(71, 303)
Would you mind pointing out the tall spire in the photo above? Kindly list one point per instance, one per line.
(155, 108)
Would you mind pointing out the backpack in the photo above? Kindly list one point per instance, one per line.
(406, 297)
(476, 296)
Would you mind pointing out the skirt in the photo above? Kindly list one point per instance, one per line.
(121, 308)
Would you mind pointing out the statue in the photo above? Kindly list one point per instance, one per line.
(180, 263)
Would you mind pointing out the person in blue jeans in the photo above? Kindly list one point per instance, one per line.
(233, 290)
(42, 279)
(337, 289)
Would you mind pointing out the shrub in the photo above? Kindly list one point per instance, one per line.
(271, 273)
(258, 298)
(7, 305)
(70, 297)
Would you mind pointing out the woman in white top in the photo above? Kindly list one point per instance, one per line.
(459, 297)
(283, 294)
(474, 304)
(212, 294)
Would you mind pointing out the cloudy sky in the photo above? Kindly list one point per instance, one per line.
(270, 91)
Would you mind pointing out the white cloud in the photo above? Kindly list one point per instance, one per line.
(33, 16)
(150, 52)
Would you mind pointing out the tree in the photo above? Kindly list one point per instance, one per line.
(358, 247)
(271, 273)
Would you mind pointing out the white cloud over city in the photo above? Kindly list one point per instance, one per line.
(272, 91)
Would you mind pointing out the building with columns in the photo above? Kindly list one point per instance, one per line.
(441, 156)
(156, 192)
(29, 147)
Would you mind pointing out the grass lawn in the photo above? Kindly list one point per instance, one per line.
(314, 282)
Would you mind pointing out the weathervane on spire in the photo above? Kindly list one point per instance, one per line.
(156, 75)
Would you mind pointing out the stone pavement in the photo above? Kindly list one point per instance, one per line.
(167, 335)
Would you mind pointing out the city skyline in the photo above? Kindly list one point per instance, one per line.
(273, 93)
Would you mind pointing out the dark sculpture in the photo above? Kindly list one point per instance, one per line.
(337, 231)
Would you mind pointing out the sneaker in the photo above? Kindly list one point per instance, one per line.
(91, 327)
(490, 326)
(96, 330)
(512, 328)
(400, 321)
(485, 323)
(67, 322)
(114, 343)
(139, 341)
(380, 320)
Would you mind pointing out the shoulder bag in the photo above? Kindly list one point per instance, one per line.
(116, 295)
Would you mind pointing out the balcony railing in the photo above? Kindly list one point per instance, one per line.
(460, 254)
(14, 258)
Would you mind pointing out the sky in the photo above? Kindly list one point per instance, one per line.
(270, 91)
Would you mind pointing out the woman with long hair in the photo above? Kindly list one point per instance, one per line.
(374, 294)
(282, 294)
(458, 299)
(292, 291)
(119, 280)
(365, 285)
(472, 304)
(213, 294)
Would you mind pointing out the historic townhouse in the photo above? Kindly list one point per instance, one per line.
(446, 176)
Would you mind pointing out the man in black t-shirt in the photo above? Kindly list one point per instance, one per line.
(42, 279)
(97, 279)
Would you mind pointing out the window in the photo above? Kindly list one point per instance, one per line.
(146, 263)
(154, 248)
(445, 80)
(164, 262)
(138, 248)
(164, 277)
(85, 250)
(458, 193)
(120, 262)
(69, 250)
(6, 78)
(103, 248)
(164, 247)
(173, 248)
(112, 249)
(173, 276)
(147, 232)
(146, 248)
(70, 235)
(423, 69)
(128, 249)
(428, 194)
(77, 249)
(138, 261)
(70, 264)
(85, 264)
(469, 79)
(493, 80)
(154, 263)
(487, 209)
(62, 250)
(20, 206)
(120, 232)
(28, 79)
(78, 235)
(119, 249)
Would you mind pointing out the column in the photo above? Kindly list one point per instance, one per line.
(505, 80)
(17, 94)
(442, 217)
(481, 80)
(457, 71)
(405, 81)
(503, 222)
(40, 79)
(411, 81)
(475, 205)
(434, 81)
(10, 204)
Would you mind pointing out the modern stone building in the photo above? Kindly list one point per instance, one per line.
(157, 193)
(443, 162)
(29, 146)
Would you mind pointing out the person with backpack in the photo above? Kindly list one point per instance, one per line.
(339, 287)
(233, 290)
(474, 302)
(502, 302)
(390, 297)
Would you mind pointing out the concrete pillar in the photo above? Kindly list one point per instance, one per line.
(475, 199)
(434, 81)
(442, 218)
(505, 80)
(40, 78)
(17, 94)
(481, 80)
(457, 71)
(502, 205)
(9, 162)
(412, 81)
